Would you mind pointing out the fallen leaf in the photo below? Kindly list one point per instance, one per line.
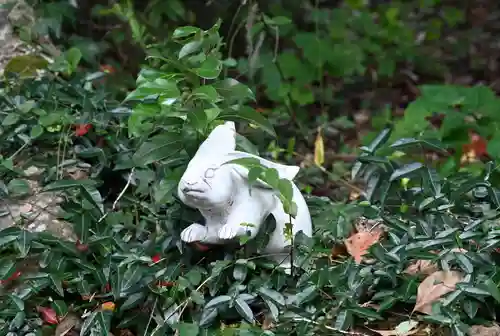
(68, 323)
(337, 250)
(358, 244)
(319, 149)
(108, 306)
(403, 329)
(363, 224)
(48, 315)
(420, 266)
(480, 330)
(434, 287)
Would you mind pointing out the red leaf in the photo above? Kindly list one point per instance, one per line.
(166, 283)
(82, 129)
(477, 145)
(107, 288)
(48, 315)
(14, 276)
(156, 258)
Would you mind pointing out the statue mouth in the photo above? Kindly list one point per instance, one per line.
(193, 191)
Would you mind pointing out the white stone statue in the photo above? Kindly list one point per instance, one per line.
(232, 209)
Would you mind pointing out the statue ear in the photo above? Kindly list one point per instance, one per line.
(284, 171)
(220, 141)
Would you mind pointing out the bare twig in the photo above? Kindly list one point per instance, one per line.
(115, 203)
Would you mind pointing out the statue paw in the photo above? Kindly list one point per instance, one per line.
(193, 233)
(231, 232)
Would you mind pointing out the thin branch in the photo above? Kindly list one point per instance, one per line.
(115, 203)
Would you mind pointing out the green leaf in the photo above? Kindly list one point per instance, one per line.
(62, 185)
(277, 20)
(88, 323)
(208, 316)
(343, 320)
(473, 290)
(25, 65)
(132, 301)
(492, 288)
(56, 284)
(11, 119)
(36, 131)
(210, 68)
(240, 272)
(244, 309)
(365, 313)
(217, 301)
(406, 170)
(207, 92)
(248, 114)
(185, 31)
(18, 187)
(271, 177)
(160, 87)
(73, 57)
(187, 329)
(60, 307)
(158, 148)
(7, 240)
(405, 143)
(24, 243)
(233, 91)
(198, 119)
(18, 321)
(464, 262)
(190, 48)
(378, 142)
(286, 189)
(17, 301)
(7, 267)
(82, 224)
(271, 295)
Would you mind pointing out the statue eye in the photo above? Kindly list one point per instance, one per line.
(210, 172)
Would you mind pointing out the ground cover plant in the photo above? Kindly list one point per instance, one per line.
(413, 252)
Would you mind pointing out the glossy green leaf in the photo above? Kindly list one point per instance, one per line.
(244, 309)
(249, 115)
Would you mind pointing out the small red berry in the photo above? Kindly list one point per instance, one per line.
(81, 247)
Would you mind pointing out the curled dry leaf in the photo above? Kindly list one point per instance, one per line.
(420, 266)
(479, 330)
(358, 244)
(363, 224)
(434, 287)
(68, 323)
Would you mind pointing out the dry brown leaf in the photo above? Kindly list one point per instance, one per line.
(480, 330)
(421, 266)
(358, 244)
(434, 287)
(67, 324)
